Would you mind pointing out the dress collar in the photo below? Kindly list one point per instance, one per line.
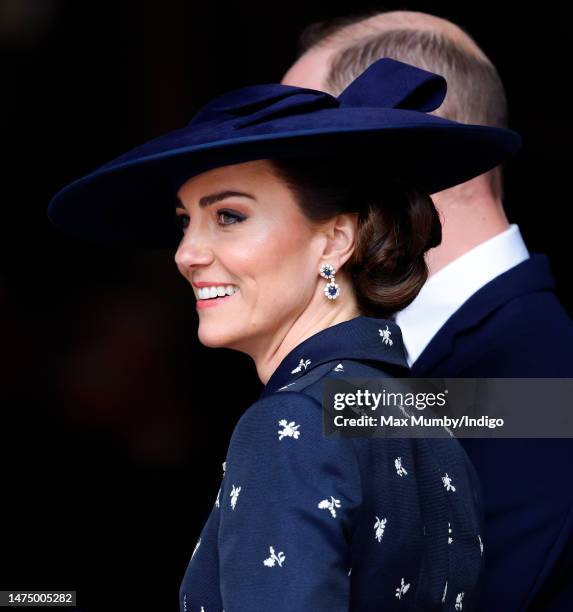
(378, 341)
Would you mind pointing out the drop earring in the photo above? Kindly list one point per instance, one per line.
(331, 289)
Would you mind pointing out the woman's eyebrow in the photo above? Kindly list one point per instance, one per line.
(215, 197)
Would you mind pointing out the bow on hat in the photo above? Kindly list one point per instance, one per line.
(412, 89)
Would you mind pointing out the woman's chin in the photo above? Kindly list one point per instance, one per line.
(214, 335)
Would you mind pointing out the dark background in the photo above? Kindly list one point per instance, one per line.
(113, 431)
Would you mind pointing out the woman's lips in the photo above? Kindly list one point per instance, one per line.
(201, 304)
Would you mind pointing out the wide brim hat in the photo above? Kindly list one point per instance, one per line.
(382, 115)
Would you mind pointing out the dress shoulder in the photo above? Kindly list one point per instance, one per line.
(273, 404)
(290, 500)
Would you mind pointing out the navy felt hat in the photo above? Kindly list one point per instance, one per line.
(382, 114)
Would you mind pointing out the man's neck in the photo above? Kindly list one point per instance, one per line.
(469, 217)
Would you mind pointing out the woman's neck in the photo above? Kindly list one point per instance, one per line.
(294, 332)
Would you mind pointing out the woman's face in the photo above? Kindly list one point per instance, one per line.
(242, 227)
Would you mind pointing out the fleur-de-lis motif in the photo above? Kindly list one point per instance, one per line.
(402, 589)
(304, 363)
(288, 429)
(445, 591)
(338, 368)
(234, 494)
(386, 333)
(196, 547)
(450, 539)
(480, 545)
(459, 604)
(270, 561)
(330, 505)
(448, 483)
(379, 527)
(399, 468)
(217, 500)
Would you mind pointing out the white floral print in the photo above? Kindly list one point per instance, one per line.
(445, 591)
(379, 527)
(330, 505)
(459, 598)
(338, 368)
(448, 483)
(386, 333)
(402, 589)
(480, 545)
(399, 468)
(217, 500)
(234, 494)
(270, 561)
(288, 429)
(450, 539)
(303, 364)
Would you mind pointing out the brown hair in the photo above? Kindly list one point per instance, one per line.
(397, 224)
(475, 91)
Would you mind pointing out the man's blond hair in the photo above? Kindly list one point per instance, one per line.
(475, 91)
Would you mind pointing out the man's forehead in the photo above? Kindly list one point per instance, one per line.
(311, 69)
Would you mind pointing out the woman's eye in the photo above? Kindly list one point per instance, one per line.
(234, 218)
(183, 221)
(228, 218)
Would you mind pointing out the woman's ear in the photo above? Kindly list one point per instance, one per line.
(341, 235)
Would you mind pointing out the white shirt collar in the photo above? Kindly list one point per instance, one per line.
(446, 290)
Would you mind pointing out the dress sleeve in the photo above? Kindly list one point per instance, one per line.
(287, 513)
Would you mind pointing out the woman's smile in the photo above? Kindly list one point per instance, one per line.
(208, 302)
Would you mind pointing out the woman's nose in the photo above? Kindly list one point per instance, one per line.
(193, 250)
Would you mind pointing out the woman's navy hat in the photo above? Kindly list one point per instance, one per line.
(383, 115)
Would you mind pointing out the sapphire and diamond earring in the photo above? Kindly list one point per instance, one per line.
(331, 289)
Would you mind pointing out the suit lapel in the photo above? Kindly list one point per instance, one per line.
(533, 274)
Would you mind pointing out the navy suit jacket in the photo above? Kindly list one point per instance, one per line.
(515, 326)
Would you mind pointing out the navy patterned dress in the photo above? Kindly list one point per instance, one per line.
(308, 523)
